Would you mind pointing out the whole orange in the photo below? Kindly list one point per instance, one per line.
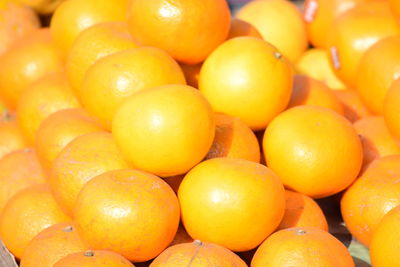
(232, 82)
(301, 142)
(189, 30)
(241, 28)
(116, 77)
(11, 138)
(392, 109)
(94, 258)
(353, 107)
(234, 203)
(82, 159)
(164, 130)
(133, 212)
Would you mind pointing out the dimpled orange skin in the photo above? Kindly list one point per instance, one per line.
(74, 16)
(116, 77)
(233, 139)
(238, 203)
(231, 81)
(302, 247)
(192, 74)
(374, 194)
(76, 164)
(353, 107)
(29, 59)
(96, 42)
(376, 139)
(241, 28)
(392, 109)
(354, 32)
(379, 68)
(51, 245)
(11, 138)
(280, 23)
(384, 249)
(164, 130)
(307, 91)
(308, 139)
(198, 254)
(189, 30)
(26, 214)
(94, 259)
(41, 99)
(138, 211)
(302, 211)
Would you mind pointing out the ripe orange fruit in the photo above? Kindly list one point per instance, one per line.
(280, 23)
(198, 254)
(379, 67)
(189, 30)
(395, 5)
(11, 138)
(302, 211)
(18, 170)
(74, 16)
(230, 79)
(307, 91)
(15, 22)
(27, 60)
(354, 32)
(165, 130)
(374, 194)
(353, 107)
(92, 44)
(114, 78)
(315, 63)
(41, 99)
(229, 195)
(43, 7)
(384, 249)
(392, 109)
(115, 201)
(302, 247)
(26, 214)
(301, 142)
(94, 258)
(82, 159)
(192, 74)
(233, 139)
(376, 139)
(241, 28)
(51, 245)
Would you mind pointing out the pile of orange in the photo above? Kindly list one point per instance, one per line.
(180, 133)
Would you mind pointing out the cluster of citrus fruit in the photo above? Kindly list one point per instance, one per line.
(174, 133)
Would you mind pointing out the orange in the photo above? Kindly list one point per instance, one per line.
(307, 91)
(95, 258)
(280, 23)
(11, 138)
(392, 109)
(92, 44)
(301, 142)
(29, 59)
(233, 139)
(395, 5)
(18, 170)
(82, 159)
(181, 236)
(373, 195)
(51, 245)
(353, 107)
(192, 74)
(384, 249)
(379, 67)
(231, 80)
(354, 32)
(315, 63)
(164, 130)
(376, 139)
(189, 30)
(242, 28)
(302, 247)
(41, 99)
(133, 212)
(26, 214)
(234, 203)
(198, 254)
(74, 16)
(15, 22)
(58, 130)
(116, 77)
(302, 211)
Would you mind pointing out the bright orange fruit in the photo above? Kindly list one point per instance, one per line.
(392, 109)
(94, 258)
(353, 107)
(11, 137)
(241, 28)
